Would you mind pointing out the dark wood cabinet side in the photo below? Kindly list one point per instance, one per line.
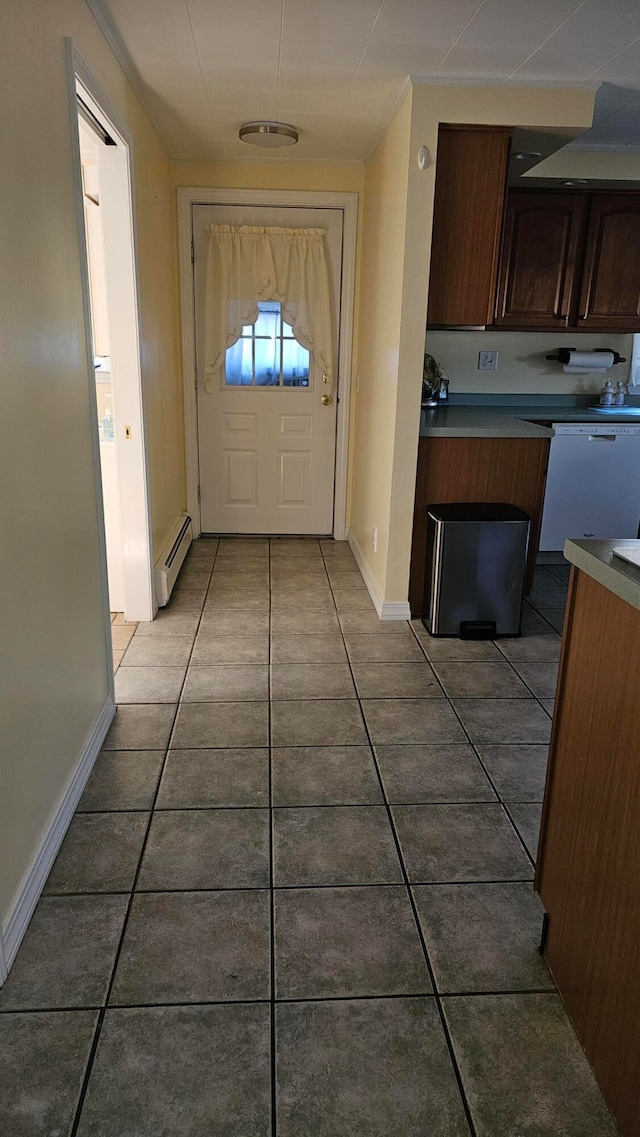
(538, 264)
(588, 873)
(471, 176)
(508, 470)
(610, 293)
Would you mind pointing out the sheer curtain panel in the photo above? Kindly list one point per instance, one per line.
(247, 264)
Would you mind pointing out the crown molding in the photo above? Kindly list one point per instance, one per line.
(117, 45)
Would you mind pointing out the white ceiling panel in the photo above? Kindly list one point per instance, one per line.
(195, 141)
(298, 99)
(259, 78)
(502, 35)
(189, 104)
(331, 34)
(624, 68)
(155, 29)
(172, 73)
(245, 33)
(238, 106)
(377, 96)
(412, 37)
(585, 42)
(337, 68)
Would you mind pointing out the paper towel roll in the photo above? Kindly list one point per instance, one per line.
(582, 362)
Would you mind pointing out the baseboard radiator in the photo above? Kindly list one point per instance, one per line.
(170, 560)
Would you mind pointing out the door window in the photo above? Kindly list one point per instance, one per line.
(267, 353)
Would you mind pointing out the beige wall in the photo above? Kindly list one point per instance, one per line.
(343, 177)
(398, 209)
(381, 295)
(55, 660)
(522, 366)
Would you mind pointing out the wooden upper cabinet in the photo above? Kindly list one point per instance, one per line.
(471, 181)
(538, 264)
(610, 293)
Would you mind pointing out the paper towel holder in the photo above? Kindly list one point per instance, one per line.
(563, 355)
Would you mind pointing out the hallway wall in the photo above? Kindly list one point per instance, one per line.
(398, 212)
(56, 660)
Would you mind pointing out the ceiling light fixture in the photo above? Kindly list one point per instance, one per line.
(268, 134)
(526, 156)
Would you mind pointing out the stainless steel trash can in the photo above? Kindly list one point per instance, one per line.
(475, 564)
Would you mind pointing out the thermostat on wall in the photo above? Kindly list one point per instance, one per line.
(423, 157)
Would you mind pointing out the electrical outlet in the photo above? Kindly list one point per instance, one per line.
(374, 541)
(487, 361)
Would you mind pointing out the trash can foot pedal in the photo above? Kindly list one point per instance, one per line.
(478, 630)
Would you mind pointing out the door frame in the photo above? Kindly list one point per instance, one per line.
(188, 196)
(124, 312)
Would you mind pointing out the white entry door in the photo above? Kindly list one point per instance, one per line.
(266, 441)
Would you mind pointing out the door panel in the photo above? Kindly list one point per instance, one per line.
(266, 453)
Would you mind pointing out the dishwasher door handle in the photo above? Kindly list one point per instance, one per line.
(603, 438)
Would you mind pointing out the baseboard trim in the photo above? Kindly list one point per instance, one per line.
(36, 877)
(396, 610)
(386, 609)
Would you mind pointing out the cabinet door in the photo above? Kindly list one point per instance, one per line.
(476, 469)
(471, 178)
(610, 294)
(538, 263)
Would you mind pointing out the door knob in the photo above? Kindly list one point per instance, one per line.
(326, 400)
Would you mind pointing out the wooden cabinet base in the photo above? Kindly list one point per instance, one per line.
(510, 470)
(588, 874)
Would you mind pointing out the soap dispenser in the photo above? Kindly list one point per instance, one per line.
(606, 394)
(619, 394)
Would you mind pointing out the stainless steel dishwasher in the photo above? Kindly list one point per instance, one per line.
(593, 483)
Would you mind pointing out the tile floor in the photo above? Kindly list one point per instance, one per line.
(296, 896)
(122, 633)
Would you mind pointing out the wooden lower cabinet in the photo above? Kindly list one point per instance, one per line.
(588, 873)
(510, 470)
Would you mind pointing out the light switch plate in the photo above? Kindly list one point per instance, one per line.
(487, 361)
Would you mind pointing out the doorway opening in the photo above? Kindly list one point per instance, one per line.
(267, 448)
(116, 395)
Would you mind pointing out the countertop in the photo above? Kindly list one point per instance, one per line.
(507, 421)
(597, 560)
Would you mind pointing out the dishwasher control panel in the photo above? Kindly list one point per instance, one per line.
(593, 428)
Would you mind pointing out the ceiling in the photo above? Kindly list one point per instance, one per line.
(337, 69)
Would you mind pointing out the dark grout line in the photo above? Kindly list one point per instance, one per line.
(300, 886)
(416, 918)
(272, 925)
(404, 883)
(98, 1030)
(316, 805)
(287, 999)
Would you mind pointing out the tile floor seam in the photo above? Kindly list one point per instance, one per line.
(502, 803)
(340, 606)
(272, 927)
(293, 887)
(430, 969)
(495, 788)
(101, 1016)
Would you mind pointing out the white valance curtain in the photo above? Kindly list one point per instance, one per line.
(247, 264)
